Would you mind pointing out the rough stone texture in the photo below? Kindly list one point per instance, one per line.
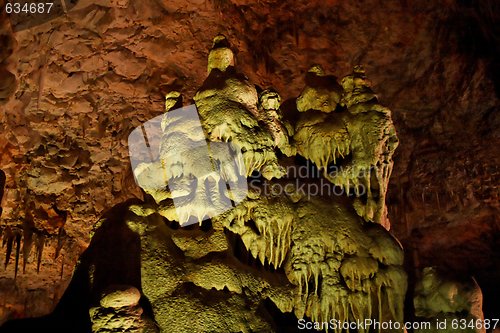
(118, 296)
(333, 264)
(75, 104)
(354, 149)
(7, 79)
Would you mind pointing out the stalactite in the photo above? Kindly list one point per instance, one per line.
(60, 241)
(39, 244)
(18, 248)
(437, 200)
(8, 240)
(27, 244)
(3, 179)
(62, 267)
(379, 303)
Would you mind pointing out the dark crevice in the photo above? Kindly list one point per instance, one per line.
(238, 250)
(283, 322)
(251, 224)
(340, 162)
(174, 225)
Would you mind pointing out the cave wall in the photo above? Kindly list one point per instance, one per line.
(87, 78)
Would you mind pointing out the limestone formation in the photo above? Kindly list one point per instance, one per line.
(272, 116)
(204, 177)
(118, 311)
(320, 244)
(437, 71)
(313, 255)
(445, 300)
(322, 92)
(228, 107)
(353, 147)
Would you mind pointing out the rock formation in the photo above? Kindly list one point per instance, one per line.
(88, 76)
(458, 304)
(299, 252)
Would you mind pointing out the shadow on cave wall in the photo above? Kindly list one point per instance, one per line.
(113, 257)
(474, 26)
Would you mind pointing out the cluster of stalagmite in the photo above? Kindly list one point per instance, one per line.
(317, 256)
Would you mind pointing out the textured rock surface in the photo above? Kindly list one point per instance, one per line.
(118, 311)
(243, 271)
(357, 144)
(7, 42)
(75, 104)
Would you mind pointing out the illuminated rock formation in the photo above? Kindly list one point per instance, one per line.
(340, 268)
(118, 311)
(330, 262)
(449, 305)
(229, 238)
(353, 147)
(228, 107)
(271, 115)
